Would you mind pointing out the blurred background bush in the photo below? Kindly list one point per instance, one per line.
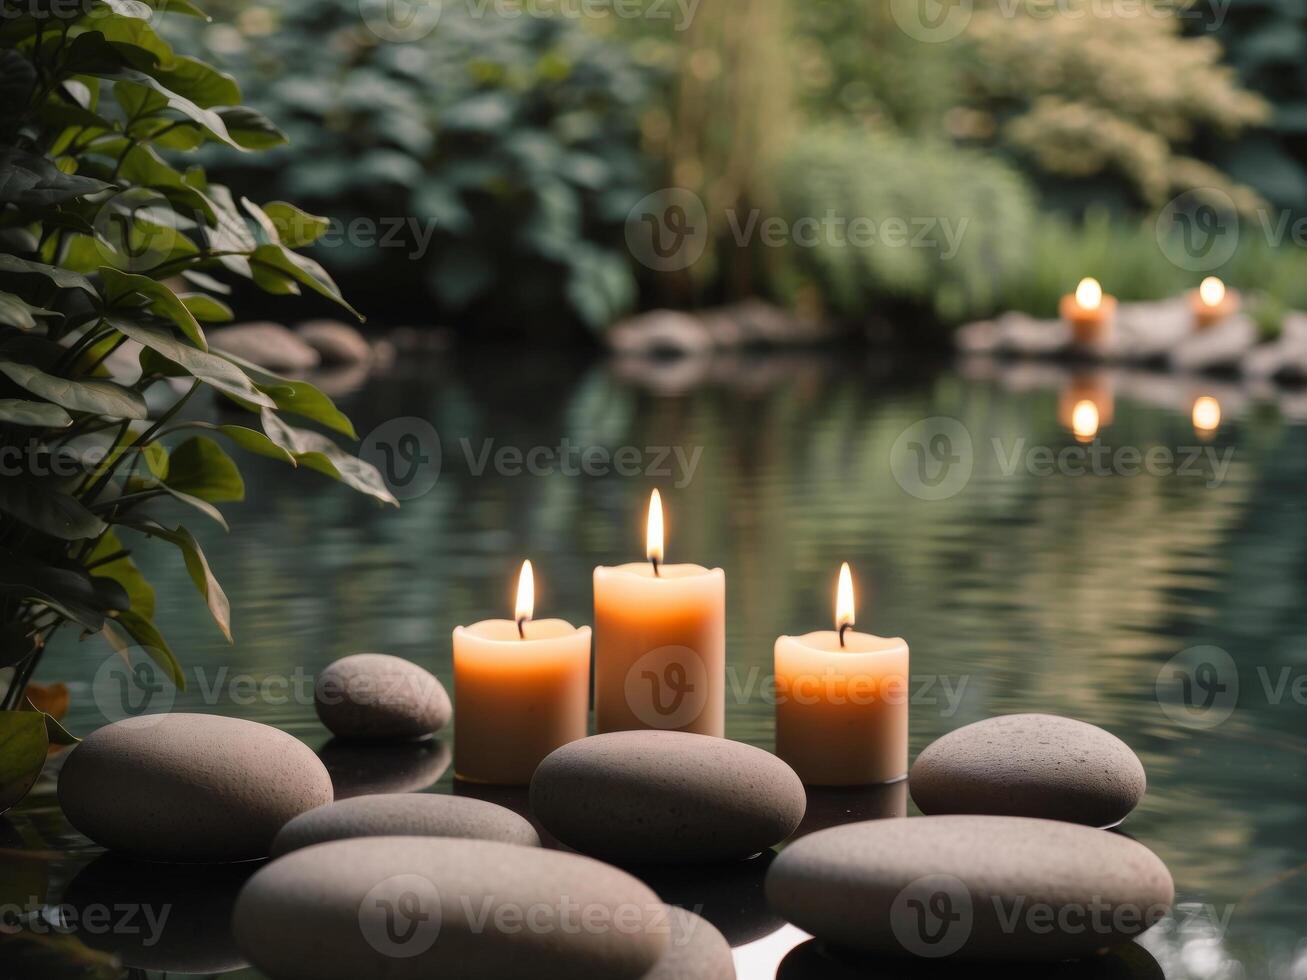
(519, 139)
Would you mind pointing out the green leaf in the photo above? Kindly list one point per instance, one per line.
(296, 397)
(17, 312)
(23, 747)
(206, 309)
(160, 300)
(56, 732)
(302, 269)
(39, 415)
(207, 119)
(149, 639)
(251, 128)
(199, 467)
(121, 569)
(68, 590)
(254, 441)
(295, 228)
(198, 567)
(38, 505)
(96, 397)
(317, 452)
(60, 277)
(204, 85)
(214, 370)
(30, 181)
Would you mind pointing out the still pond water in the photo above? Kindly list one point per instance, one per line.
(1025, 578)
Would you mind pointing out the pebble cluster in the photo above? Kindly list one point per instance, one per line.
(1007, 864)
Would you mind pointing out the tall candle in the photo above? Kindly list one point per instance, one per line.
(660, 642)
(842, 701)
(521, 689)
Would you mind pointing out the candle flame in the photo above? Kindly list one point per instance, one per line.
(1207, 414)
(1089, 294)
(1211, 291)
(653, 546)
(1084, 420)
(844, 599)
(526, 594)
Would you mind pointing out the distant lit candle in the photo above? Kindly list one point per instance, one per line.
(1212, 302)
(660, 642)
(1206, 415)
(1089, 311)
(842, 701)
(521, 689)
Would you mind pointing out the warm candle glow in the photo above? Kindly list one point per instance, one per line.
(1084, 420)
(654, 534)
(1207, 414)
(844, 616)
(526, 595)
(1089, 294)
(1211, 291)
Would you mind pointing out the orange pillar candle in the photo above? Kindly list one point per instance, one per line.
(660, 643)
(1212, 303)
(842, 702)
(521, 689)
(1089, 312)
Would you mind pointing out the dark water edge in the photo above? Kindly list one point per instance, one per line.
(1022, 591)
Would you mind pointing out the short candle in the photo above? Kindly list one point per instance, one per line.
(1212, 303)
(660, 642)
(521, 690)
(1089, 312)
(842, 701)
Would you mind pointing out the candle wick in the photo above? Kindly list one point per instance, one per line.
(521, 627)
(843, 627)
(654, 561)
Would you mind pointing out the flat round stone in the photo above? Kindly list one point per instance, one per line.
(1030, 765)
(405, 815)
(377, 696)
(645, 797)
(189, 787)
(975, 887)
(695, 950)
(413, 908)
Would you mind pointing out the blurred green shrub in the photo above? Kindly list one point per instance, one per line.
(511, 141)
(966, 222)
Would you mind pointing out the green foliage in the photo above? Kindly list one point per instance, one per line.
(513, 139)
(948, 229)
(102, 242)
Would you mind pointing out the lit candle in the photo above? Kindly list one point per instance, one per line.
(1089, 312)
(1212, 302)
(521, 689)
(660, 642)
(842, 701)
(1086, 404)
(1084, 420)
(1206, 416)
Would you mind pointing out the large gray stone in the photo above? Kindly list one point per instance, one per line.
(1222, 345)
(269, 345)
(1284, 357)
(653, 796)
(405, 815)
(695, 950)
(337, 343)
(377, 696)
(189, 787)
(413, 908)
(1030, 765)
(974, 887)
